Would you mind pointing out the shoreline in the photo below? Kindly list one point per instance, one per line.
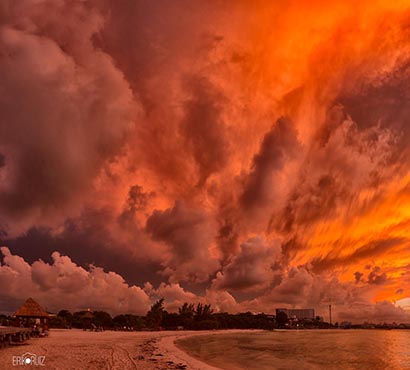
(67, 349)
(77, 349)
(172, 353)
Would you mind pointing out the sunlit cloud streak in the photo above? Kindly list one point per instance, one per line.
(253, 153)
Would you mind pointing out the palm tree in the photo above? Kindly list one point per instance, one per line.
(203, 312)
(155, 314)
(187, 310)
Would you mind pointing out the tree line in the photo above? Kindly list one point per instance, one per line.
(203, 317)
(189, 317)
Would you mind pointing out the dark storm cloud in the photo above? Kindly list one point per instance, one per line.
(343, 159)
(334, 118)
(138, 136)
(82, 113)
(157, 45)
(383, 106)
(358, 276)
(137, 202)
(252, 268)
(228, 237)
(377, 278)
(385, 103)
(203, 127)
(149, 39)
(85, 245)
(188, 233)
(69, 106)
(291, 246)
(278, 146)
(308, 205)
(298, 282)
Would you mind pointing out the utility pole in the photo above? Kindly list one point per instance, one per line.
(330, 314)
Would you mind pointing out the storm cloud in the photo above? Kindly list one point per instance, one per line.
(205, 151)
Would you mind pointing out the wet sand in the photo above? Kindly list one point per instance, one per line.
(111, 350)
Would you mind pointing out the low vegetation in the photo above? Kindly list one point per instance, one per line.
(189, 317)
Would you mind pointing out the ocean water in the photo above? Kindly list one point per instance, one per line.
(307, 349)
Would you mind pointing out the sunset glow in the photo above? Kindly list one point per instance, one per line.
(247, 154)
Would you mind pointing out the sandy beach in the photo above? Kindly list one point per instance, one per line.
(77, 349)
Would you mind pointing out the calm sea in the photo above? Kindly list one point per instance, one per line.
(310, 349)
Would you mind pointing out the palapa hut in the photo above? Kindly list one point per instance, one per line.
(32, 310)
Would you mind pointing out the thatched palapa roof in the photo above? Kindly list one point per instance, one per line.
(31, 308)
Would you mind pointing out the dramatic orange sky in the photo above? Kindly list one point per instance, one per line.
(250, 154)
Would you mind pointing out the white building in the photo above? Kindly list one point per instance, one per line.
(298, 313)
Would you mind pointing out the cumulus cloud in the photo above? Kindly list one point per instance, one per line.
(376, 313)
(175, 296)
(214, 150)
(63, 284)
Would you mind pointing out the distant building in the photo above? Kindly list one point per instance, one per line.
(298, 313)
(345, 324)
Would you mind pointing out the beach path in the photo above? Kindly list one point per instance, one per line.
(78, 349)
(109, 350)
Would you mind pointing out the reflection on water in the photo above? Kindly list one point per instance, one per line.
(311, 349)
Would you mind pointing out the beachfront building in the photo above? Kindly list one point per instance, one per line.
(298, 313)
(30, 311)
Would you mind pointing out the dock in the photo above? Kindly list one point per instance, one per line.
(10, 335)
